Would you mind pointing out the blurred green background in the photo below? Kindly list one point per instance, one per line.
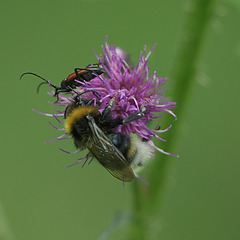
(39, 197)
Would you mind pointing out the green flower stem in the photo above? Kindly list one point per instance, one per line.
(5, 231)
(183, 75)
(184, 71)
(137, 229)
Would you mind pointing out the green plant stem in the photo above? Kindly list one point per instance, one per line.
(137, 229)
(5, 231)
(183, 75)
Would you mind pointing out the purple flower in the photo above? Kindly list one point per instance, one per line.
(131, 87)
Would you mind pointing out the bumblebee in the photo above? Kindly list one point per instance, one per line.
(121, 155)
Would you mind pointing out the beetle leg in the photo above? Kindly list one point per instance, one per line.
(77, 74)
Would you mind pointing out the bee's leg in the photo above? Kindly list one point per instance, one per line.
(90, 102)
(108, 109)
(107, 116)
(136, 116)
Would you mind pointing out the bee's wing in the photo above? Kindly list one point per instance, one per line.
(108, 155)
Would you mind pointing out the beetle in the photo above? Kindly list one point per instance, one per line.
(74, 80)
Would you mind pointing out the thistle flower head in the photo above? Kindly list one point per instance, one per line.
(131, 88)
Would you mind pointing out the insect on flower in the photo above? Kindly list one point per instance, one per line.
(118, 153)
(74, 80)
(106, 113)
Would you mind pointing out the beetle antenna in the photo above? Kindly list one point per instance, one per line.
(40, 86)
(45, 80)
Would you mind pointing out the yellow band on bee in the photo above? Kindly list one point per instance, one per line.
(77, 114)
